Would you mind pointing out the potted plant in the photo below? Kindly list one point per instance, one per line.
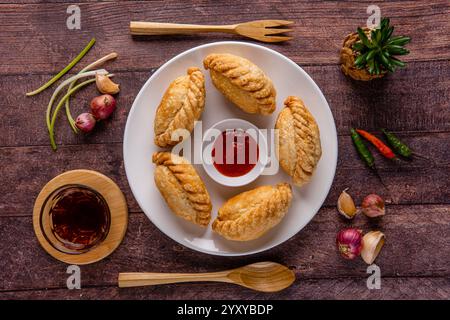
(370, 53)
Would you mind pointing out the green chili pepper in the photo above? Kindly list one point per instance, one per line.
(363, 152)
(398, 146)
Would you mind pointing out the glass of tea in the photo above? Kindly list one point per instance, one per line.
(75, 218)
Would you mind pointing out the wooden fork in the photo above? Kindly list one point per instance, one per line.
(262, 30)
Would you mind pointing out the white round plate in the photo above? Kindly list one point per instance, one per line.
(138, 146)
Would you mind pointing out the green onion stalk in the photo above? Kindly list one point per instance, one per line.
(91, 66)
(63, 71)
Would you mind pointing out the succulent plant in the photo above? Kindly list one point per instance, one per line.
(371, 53)
(377, 53)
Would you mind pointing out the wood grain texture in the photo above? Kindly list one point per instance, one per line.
(414, 99)
(264, 276)
(414, 102)
(409, 183)
(397, 288)
(409, 251)
(319, 30)
(256, 29)
(118, 216)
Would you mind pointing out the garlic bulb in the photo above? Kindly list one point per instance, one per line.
(346, 205)
(105, 84)
(372, 242)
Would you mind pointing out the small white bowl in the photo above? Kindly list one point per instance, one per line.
(208, 143)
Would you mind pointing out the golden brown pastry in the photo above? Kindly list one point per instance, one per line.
(182, 188)
(181, 105)
(298, 145)
(242, 82)
(250, 214)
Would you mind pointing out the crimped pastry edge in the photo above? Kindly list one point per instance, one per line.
(305, 125)
(184, 119)
(261, 89)
(248, 226)
(182, 170)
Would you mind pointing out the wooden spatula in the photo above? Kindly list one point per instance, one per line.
(261, 276)
(262, 30)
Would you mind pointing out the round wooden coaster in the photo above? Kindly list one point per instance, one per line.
(117, 206)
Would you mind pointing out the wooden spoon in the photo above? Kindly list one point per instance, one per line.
(262, 30)
(262, 276)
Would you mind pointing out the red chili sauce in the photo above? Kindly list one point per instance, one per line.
(235, 153)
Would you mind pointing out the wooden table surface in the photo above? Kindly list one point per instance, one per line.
(413, 102)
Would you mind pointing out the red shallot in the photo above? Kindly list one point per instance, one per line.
(103, 106)
(85, 122)
(349, 243)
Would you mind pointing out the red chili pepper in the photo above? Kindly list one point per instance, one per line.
(384, 149)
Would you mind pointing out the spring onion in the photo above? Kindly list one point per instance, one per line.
(91, 66)
(65, 83)
(65, 70)
(61, 102)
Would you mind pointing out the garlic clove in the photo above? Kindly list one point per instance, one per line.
(372, 242)
(346, 205)
(105, 84)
